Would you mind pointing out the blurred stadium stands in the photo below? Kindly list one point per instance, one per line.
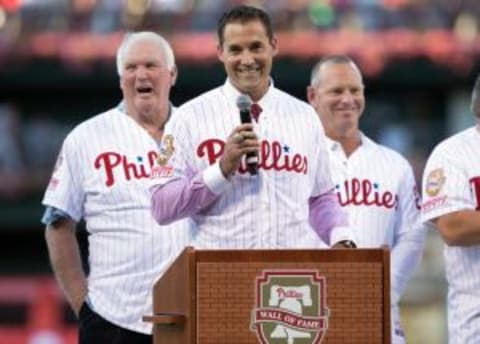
(33, 311)
(374, 31)
(420, 58)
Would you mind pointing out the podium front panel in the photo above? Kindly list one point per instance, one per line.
(275, 297)
(227, 296)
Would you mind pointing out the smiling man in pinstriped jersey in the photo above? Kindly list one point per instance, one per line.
(374, 184)
(207, 178)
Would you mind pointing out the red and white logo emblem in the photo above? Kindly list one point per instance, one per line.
(290, 307)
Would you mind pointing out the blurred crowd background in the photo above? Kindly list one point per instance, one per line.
(57, 68)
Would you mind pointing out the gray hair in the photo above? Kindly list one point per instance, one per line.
(133, 37)
(335, 59)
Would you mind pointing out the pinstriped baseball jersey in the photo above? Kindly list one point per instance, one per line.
(102, 175)
(269, 210)
(377, 187)
(451, 182)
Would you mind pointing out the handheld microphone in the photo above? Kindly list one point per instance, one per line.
(243, 104)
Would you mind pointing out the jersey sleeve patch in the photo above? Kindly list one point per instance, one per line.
(167, 149)
(435, 182)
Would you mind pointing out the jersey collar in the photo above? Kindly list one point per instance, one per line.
(366, 143)
(266, 102)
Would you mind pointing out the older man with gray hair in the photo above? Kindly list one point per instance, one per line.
(102, 175)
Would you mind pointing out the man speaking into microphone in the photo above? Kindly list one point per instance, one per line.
(248, 182)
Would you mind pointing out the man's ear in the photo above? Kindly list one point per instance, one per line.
(174, 75)
(311, 94)
(220, 52)
(120, 82)
(274, 43)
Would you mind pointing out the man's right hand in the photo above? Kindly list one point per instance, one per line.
(241, 141)
(66, 262)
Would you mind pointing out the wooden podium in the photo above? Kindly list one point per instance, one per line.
(274, 296)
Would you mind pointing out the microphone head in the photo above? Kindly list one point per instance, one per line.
(244, 102)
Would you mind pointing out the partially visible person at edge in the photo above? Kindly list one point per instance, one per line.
(374, 184)
(102, 175)
(205, 175)
(451, 195)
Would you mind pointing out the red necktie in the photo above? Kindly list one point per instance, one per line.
(255, 110)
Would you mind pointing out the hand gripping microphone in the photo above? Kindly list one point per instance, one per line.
(243, 104)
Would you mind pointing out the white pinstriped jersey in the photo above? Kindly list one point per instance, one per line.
(377, 188)
(269, 210)
(451, 182)
(102, 175)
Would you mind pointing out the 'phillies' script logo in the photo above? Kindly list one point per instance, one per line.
(364, 192)
(271, 156)
(110, 162)
(290, 306)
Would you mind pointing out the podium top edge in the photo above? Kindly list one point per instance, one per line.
(277, 255)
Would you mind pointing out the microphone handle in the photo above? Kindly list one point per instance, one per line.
(251, 158)
(245, 116)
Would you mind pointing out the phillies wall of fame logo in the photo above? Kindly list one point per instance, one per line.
(290, 307)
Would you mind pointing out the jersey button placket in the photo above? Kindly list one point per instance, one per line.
(262, 222)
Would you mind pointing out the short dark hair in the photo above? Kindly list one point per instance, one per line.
(475, 106)
(243, 14)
